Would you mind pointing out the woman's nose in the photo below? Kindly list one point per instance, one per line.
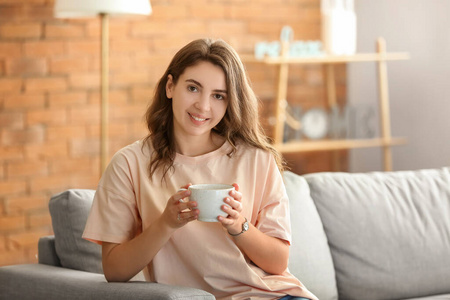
(203, 103)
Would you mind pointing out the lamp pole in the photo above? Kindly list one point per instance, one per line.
(104, 91)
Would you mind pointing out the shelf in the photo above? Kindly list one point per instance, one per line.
(326, 145)
(328, 59)
(380, 57)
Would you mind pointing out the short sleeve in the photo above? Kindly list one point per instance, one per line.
(273, 216)
(114, 215)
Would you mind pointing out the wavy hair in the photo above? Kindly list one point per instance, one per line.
(240, 122)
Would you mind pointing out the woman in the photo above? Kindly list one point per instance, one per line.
(203, 128)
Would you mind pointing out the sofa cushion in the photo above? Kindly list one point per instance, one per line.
(69, 211)
(389, 233)
(309, 257)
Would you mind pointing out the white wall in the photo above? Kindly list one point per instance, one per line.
(419, 88)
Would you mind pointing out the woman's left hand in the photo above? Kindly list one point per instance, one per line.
(233, 222)
(269, 253)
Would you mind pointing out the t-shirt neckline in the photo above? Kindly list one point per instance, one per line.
(183, 159)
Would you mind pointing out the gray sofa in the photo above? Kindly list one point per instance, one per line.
(380, 235)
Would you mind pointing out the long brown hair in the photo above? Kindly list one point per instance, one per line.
(241, 119)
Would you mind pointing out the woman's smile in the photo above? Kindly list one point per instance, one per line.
(197, 119)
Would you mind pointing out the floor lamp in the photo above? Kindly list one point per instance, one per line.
(102, 8)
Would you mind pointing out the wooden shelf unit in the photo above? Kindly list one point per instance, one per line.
(385, 141)
(328, 59)
(332, 144)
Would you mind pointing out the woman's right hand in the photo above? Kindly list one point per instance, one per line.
(121, 261)
(179, 212)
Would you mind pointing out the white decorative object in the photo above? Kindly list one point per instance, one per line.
(338, 27)
(315, 123)
(296, 48)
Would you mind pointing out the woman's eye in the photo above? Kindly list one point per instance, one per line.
(219, 96)
(192, 88)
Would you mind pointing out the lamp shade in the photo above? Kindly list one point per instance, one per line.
(88, 8)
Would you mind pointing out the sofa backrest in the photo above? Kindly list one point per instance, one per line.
(309, 256)
(69, 211)
(389, 232)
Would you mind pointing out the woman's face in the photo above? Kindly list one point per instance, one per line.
(199, 99)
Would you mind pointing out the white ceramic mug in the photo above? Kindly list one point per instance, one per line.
(209, 198)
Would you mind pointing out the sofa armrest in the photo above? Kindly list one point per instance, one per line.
(38, 281)
(47, 251)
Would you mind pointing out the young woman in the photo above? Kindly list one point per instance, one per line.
(203, 128)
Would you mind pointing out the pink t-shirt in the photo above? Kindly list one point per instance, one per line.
(200, 254)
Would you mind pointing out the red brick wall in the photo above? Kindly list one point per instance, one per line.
(49, 91)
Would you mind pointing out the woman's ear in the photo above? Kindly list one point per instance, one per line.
(169, 86)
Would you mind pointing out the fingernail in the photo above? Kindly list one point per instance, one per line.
(227, 200)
